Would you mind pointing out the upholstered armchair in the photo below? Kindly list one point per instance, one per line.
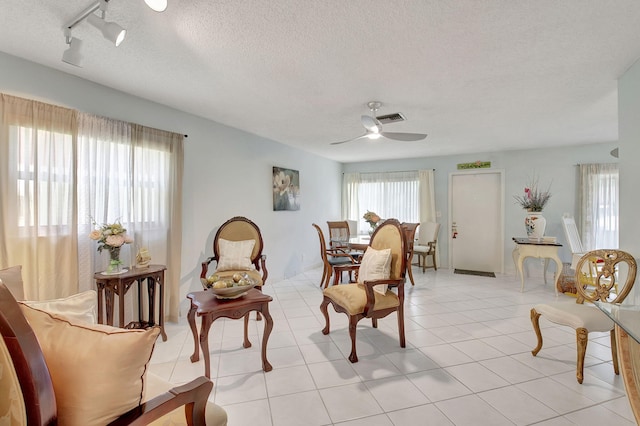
(379, 290)
(426, 247)
(57, 369)
(237, 247)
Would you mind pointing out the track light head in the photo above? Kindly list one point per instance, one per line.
(73, 54)
(157, 5)
(110, 30)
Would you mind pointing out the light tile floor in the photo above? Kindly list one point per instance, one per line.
(467, 361)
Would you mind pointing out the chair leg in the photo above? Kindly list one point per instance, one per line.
(435, 266)
(403, 343)
(582, 338)
(323, 308)
(614, 352)
(424, 263)
(410, 270)
(353, 324)
(324, 274)
(535, 321)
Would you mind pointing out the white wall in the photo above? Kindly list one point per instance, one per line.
(629, 134)
(555, 166)
(227, 171)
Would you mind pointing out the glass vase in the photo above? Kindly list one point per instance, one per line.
(115, 264)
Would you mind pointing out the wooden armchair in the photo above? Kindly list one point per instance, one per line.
(237, 248)
(426, 247)
(381, 271)
(29, 390)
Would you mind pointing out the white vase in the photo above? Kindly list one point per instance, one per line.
(535, 224)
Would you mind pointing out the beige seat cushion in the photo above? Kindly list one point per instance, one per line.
(98, 372)
(420, 249)
(12, 278)
(353, 298)
(215, 415)
(575, 315)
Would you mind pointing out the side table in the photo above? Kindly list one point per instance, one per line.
(206, 305)
(111, 284)
(543, 250)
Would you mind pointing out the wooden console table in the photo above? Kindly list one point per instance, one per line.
(110, 285)
(526, 247)
(210, 308)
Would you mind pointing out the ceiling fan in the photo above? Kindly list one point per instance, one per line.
(373, 128)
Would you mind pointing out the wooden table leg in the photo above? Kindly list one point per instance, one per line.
(268, 326)
(247, 343)
(204, 343)
(191, 318)
(121, 305)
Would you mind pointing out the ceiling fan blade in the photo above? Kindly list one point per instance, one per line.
(350, 140)
(371, 124)
(405, 137)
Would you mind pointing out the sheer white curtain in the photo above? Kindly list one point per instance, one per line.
(37, 195)
(60, 170)
(388, 194)
(599, 204)
(130, 173)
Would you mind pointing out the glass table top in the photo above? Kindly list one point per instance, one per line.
(626, 316)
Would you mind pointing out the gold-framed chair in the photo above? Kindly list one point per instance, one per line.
(426, 246)
(381, 271)
(331, 258)
(585, 317)
(410, 235)
(237, 248)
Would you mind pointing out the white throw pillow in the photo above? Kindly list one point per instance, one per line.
(235, 255)
(12, 278)
(375, 265)
(80, 307)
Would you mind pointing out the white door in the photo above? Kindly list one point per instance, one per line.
(476, 221)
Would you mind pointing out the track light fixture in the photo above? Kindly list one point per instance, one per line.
(110, 30)
(157, 5)
(73, 54)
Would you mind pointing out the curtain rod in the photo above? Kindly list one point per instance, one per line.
(392, 171)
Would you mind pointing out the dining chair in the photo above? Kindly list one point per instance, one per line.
(379, 290)
(410, 235)
(426, 246)
(338, 233)
(614, 266)
(331, 257)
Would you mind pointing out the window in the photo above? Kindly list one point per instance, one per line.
(599, 185)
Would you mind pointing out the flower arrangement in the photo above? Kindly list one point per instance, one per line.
(111, 237)
(372, 219)
(533, 199)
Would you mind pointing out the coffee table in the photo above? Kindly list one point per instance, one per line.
(206, 305)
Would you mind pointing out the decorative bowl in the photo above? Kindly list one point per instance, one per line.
(231, 292)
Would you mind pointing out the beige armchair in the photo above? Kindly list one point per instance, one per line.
(379, 290)
(53, 370)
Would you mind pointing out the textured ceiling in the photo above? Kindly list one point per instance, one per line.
(476, 75)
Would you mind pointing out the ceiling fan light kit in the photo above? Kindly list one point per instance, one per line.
(373, 127)
(110, 30)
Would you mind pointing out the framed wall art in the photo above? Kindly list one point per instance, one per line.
(286, 189)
